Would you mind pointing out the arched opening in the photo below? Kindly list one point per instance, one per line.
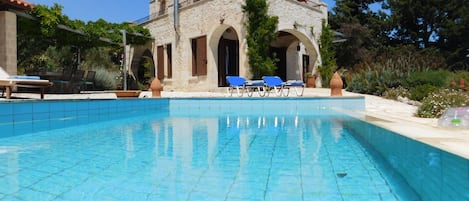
(228, 56)
(295, 53)
(145, 70)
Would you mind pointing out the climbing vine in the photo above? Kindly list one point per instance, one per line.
(329, 65)
(261, 32)
(47, 28)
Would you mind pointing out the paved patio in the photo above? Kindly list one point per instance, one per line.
(392, 115)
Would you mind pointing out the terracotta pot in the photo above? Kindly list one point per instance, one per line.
(311, 81)
(336, 85)
(453, 84)
(156, 88)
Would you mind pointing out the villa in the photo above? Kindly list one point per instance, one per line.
(200, 42)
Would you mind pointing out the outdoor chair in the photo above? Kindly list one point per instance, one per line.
(297, 85)
(255, 85)
(235, 83)
(8, 83)
(273, 83)
(88, 82)
(74, 84)
(62, 83)
(281, 88)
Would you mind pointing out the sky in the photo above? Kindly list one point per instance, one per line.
(114, 11)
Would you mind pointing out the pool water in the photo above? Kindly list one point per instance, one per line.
(199, 156)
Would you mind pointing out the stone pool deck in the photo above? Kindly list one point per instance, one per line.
(392, 115)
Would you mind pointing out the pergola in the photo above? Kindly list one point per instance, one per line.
(8, 30)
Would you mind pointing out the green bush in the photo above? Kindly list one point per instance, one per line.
(421, 91)
(435, 78)
(437, 102)
(364, 82)
(373, 81)
(393, 93)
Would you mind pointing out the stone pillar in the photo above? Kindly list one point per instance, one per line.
(8, 49)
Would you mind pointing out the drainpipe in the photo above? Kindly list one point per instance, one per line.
(176, 14)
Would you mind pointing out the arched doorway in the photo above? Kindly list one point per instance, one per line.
(228, 56)
(295, 55)
(146, 70)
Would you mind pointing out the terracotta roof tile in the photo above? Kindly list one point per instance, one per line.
(21, 4)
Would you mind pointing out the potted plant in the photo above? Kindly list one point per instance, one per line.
(310, 80)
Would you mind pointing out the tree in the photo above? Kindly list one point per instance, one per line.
(261, 32)
(433, 23)
(364, 29)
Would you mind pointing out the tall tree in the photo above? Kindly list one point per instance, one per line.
(363, 27)
(416, 22)
(453, 35)
(261, 32)
(433, 23)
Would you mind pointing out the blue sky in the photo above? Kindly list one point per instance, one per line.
(115, 11)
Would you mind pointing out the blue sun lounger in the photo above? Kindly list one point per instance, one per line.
(273, 83)
(240, 84)
(255, 85)
(281, 88)
(296, 85)
(235, 83)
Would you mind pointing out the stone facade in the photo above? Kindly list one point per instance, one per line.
(178, 37)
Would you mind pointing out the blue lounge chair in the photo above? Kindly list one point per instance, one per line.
(281, 88)
(295, 84)
(273, 83)
(255, 85)
(236, 83)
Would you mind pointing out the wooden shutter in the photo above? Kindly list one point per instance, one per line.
(202, 55)
(160, 62)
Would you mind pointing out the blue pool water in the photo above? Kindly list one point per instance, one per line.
(189, 150)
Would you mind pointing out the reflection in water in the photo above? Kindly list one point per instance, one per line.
(197, 142)
(337, 128)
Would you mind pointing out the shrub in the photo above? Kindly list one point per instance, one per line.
(373, 81)
(437, 102)
(435, 78)
(105, 79)
(421, 91)
(393, 93)
(364, 82)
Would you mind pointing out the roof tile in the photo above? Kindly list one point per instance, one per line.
(18, 4)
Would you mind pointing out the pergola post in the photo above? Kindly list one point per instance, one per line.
(8, 42)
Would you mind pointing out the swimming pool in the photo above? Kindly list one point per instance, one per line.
(214, 149)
